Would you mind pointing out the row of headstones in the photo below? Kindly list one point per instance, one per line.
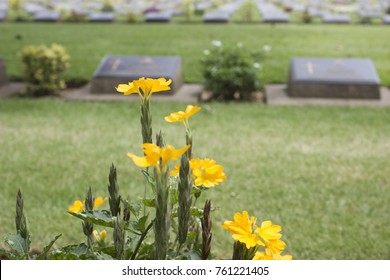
(365, 10)
(354, 78)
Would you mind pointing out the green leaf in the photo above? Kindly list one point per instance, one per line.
(99, 217)
(142, 222)
(192, 255)
(72, 252)
(103, 256)
(149, 202)
(18, 244)
(43, 254)
(135, 208)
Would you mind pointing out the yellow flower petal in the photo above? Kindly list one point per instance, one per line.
(191, 110)
(140, 161)
(170, 153)
(269, 231)
(98, 201)
(77, 206)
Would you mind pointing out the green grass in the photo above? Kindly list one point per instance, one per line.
(88, 43)
(321, 173)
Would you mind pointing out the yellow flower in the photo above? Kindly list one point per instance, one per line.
(154, 153)
(181, 116)
(145, 87)
(242, 229)
(78, 205)
(269, 231)
(274, 247)
(175, 171)
(100, 237)
(207, 173)
(265, 256)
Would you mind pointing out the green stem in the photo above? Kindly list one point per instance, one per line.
(143, 235)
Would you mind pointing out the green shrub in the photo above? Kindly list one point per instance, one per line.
(43, 68)
(231, 72)
(107, 7)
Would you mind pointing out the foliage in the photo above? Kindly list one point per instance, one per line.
(166, 225)
(306, 17)
(107, 6)
(44, 67)
(231, 72)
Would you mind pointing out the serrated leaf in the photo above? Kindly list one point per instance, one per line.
(45, 250)
(99, 217)
(17, 243)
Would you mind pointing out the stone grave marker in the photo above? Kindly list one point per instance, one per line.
(116, 69)
(348, 78)
(46, 16)
(101, 17)
(3, 73)
(386, 19)
(158, 17)
(275, 16)
(335, 18)
(216, 16)
(2, 15)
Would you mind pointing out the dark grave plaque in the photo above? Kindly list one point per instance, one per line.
(3, 14)
(46, 16)
(275, 16)
(158, 17)
(3, 73)
(335, 18)
(101, 17)
(116, 69)
(348, 78)
(216, 16)
(386, 19)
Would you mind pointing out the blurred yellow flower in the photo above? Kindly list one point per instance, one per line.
(207, 172)
(181, 116)
(100, 237)
(78, 205)
(269, 231)
(274, 247)
(265, 256)
(242, 229)
(153, 155)
(145, 87)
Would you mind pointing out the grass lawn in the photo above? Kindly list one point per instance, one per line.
(88, 43)
(321, 173)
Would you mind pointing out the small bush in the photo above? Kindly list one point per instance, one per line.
(43, 68)
(107, 7)
(231, 73)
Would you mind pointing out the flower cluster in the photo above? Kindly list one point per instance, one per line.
(206, 172)
(245, 231)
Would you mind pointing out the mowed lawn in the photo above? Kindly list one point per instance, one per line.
(88, 43)
(321, 173)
